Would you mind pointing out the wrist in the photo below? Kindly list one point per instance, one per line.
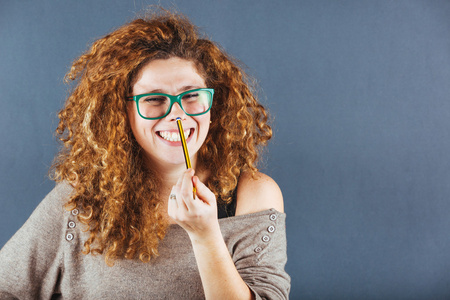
(209, 237)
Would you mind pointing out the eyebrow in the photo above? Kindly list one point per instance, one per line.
(182, 90)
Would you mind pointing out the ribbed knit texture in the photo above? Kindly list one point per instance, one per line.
(43, 260)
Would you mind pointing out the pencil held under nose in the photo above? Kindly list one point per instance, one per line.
(185, 149)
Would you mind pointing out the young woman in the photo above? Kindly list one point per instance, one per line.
(123, 220)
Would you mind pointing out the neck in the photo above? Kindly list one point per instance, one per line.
(170, 173)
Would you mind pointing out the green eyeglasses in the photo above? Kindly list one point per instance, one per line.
(156, 105)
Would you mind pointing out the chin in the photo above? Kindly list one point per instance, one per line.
(168, 161)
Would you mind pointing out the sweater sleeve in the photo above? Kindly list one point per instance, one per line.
(258, 248)
(30, 262)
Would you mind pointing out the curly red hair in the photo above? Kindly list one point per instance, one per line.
(114, 188)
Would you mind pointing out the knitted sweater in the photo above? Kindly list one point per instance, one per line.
(43, 260)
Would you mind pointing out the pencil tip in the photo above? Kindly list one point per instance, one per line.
(178, 118)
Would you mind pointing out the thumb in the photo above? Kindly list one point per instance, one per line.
(203, 192)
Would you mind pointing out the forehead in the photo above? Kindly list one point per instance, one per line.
(167, 75)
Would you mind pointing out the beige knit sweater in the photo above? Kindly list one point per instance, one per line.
(43, 260)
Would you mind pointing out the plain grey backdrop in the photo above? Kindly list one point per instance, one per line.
(359, 91)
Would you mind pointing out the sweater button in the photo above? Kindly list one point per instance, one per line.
(75, 212)
(273, 217)
(258, 249)
(271, 228)
(72, 224)
(69, 237)
(265, 238)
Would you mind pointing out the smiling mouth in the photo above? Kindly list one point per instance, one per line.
(174, 136)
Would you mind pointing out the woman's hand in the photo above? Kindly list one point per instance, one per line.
(197, 215)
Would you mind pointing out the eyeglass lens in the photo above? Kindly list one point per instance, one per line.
(154, 106)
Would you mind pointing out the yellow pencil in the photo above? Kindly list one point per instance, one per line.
(185, 148)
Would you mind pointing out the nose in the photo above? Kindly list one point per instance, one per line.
(176, 112)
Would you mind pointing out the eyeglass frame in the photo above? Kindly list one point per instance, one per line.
(173, 100)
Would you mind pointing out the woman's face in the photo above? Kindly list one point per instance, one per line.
(169, 76)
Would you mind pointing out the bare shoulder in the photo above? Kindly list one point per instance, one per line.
(257, 193)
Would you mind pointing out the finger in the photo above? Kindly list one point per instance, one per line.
(179, 181)
(172, 204)
(176, 190)
(187, 188)
(203, 192)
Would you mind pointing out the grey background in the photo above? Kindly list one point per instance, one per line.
(359, 91)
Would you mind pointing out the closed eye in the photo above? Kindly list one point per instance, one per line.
(153, 100)
(191, 97)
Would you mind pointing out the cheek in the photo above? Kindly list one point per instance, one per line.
(135, 121)
(204, 122)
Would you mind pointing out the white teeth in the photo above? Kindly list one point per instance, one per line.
(173, 136)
